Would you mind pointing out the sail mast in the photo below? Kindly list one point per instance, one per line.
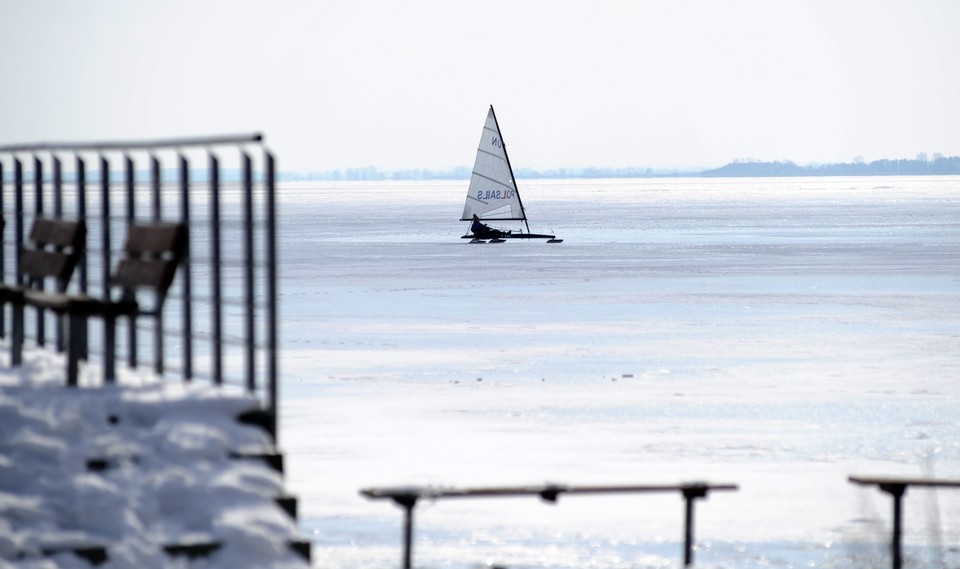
(510, 167)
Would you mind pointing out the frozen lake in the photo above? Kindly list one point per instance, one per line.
(778, 334)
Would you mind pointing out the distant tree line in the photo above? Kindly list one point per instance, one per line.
(939, 165)
(921, 165)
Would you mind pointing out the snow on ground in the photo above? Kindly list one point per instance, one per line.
(168, 478)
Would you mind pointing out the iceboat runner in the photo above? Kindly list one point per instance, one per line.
(493, 193)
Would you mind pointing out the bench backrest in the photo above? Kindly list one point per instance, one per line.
(152, 253)
(56, 247)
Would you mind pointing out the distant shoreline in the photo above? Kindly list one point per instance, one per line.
(938, 166)
(921, 166)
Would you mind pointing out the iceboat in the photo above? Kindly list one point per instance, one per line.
(493, 194)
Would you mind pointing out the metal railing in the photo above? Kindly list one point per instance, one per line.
(407, 497)
(220, 322)
(897, 487)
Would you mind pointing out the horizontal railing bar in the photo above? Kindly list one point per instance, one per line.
(407, 497)
(888, 480)
(432, 493)
(134, 144)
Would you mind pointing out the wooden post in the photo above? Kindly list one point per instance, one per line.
(897, 487)
(690, 493)
(897, 490)
(407, 502)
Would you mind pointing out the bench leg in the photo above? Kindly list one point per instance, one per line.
(84, 349)
(74, 348)
(60, 332)
(109, 350)
(132, 342)
(16, 342)
(158, 346)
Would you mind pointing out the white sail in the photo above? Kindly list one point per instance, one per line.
(493, 192)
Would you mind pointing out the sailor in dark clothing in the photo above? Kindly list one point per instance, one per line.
(483, 231)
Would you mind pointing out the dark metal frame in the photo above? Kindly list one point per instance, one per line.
(118, 178)
(897, 487)
(407, 497)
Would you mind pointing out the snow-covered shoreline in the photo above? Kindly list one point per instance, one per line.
(138, 469)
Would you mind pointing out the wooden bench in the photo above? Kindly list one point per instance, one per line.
(152, 253)
(55, 247)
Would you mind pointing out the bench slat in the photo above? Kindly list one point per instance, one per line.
(156, 238)
(43, 264)
(57, 232)
(135, 273)
(78, 305)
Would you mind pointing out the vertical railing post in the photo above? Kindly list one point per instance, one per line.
(81, 345)
(158, 332)
(18, 331)
(38, 185)
(216, 312)
(155, 187)
(3, 264)
(105, 222)
(109, 330)
(82, 214)
(57, 188)
(18, 217)
(187, 332)
(130, 187)
(58, 213)
(248, 283)
(271, 267)
(38, 211)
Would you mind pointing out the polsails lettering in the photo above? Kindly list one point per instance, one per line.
(485, 195)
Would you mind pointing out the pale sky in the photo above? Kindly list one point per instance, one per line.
(575, 83)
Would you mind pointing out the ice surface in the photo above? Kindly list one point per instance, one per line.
(780, 334)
